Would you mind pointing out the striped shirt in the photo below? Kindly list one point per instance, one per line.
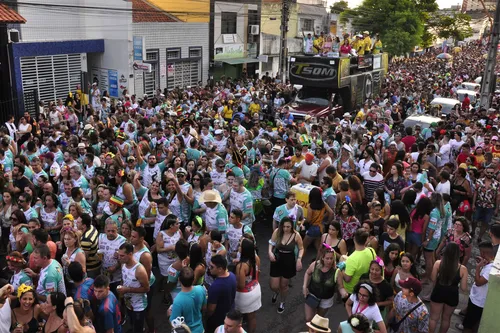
(371, 184)
(89, 244)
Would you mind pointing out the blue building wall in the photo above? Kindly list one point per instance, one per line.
(18, 50)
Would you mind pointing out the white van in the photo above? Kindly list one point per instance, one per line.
(447, 104)
(471, 93)
(471, 86)
(422, 120)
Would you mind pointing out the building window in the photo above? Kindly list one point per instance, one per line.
(184, 72)
(152, 80)
(173, 54)
(253, 17)
(228, 22)
(195, 52)
(307, 24)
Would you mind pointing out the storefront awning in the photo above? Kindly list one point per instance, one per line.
(238, 61)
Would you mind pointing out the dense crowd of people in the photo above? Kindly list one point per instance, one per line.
(107, 203)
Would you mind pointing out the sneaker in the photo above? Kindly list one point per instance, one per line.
(281, 308)
(459, 327)
(458, 312)
(275, 297)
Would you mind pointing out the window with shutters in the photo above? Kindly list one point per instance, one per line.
(228, 22)
(307, 24)
(182, 72)
(152, 80)
(52, 76)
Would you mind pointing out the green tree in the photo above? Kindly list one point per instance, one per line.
(400, 23)
(339, 6)
(428, 38)
(456, 26)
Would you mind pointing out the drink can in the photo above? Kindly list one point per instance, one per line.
(138, 223)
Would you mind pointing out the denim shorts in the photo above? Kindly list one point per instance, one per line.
(484, 215)
(314, 231)
(414, 238)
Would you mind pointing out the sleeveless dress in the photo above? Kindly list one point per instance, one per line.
(285, 265)
(447, 294)
(248, 299)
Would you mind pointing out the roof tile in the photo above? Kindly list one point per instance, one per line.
(8, 15)
(143, 11)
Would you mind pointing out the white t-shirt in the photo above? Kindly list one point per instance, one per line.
(307, 171)
(5, 315)
(445, 152)
(443, 187)
(371, 312)
(478, 294)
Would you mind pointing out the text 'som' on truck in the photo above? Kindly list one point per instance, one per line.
(335, 85)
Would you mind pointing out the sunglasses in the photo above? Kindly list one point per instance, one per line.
(181, 175)
(196, 179)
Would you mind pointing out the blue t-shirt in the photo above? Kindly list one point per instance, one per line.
(85, 290)
(188, 305)
(222, 292)
(109, 315)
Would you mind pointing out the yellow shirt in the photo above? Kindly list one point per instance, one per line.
(227, 113)
(360, 46)
(368, 44)
(377, 47)
(254, 108)
(318, 44)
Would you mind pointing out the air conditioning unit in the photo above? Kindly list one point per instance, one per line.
(254, 29)
(13, 35)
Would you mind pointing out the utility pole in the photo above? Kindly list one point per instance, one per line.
(285, 14)
(488, 82)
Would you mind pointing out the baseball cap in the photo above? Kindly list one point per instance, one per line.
(411, 283)
(81, 145)
(309, 157)
(218, 132)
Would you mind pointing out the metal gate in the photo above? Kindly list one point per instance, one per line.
(52, 76)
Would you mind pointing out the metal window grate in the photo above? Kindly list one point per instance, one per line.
(195, 53)
(52, 76)
(175, 54)
(183, 73)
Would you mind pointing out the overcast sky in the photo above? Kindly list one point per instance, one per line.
(442, 3)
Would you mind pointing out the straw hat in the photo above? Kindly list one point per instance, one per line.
(319, 324)
(210, 196)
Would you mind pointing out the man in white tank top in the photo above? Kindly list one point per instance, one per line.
(135, 286)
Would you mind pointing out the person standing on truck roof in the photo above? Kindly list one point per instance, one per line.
(367, 42)
(345, 49)
(360, 45)
(377, 47)
(308, 43)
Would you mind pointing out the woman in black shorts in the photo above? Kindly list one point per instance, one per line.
(447, 275)
(282, 256)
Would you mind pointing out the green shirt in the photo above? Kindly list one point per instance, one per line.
(357, 264)
(51, 279)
